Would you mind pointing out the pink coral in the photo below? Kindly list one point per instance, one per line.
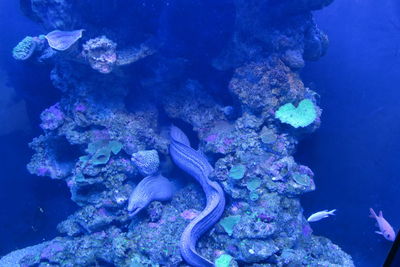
(52, 118)
(190, 214)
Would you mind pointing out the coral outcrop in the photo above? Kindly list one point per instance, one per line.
(124, 84)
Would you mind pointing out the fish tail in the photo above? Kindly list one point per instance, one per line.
(372, 213)
(332, 212)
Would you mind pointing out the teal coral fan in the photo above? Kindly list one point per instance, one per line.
(301, 116)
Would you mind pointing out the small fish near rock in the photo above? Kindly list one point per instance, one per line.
(320, 215)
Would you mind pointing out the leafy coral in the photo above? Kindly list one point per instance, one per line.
(100, 151)
(228, 223)
(301, 116)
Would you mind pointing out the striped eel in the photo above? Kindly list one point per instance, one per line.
(196, 164)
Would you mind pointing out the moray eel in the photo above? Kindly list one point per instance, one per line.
(195, 164)
(151, 188)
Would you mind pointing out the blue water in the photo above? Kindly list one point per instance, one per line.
(354, 154)
(31, 207)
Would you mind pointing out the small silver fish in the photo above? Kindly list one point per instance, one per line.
(320, 215)
(386, 230)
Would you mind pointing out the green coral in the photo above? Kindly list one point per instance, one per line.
(237, 172)
(228, 223)
(24, 49)
(301, 179)
(79, 177)
(253, 184)
(254, 196)
(100, 151)
(223, 261)
(301, 116)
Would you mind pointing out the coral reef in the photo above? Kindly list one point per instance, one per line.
(246, 108)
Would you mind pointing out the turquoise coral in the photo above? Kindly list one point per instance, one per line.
(254, 196)
(228, 223)
(301, 116)
(24, 49)
(253, 184)
(301, 179)
(100, 151)
(223, 261)
(237, 172)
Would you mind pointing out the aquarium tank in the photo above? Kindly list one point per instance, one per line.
(225, 133)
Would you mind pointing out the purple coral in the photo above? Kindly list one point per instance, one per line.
(52, 118)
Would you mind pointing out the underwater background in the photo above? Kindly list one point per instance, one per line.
(353, 154)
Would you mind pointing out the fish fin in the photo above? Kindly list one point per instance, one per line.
(379, 233)
(332, 212)
(179, 136)
(380, 214)
(372, 213)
